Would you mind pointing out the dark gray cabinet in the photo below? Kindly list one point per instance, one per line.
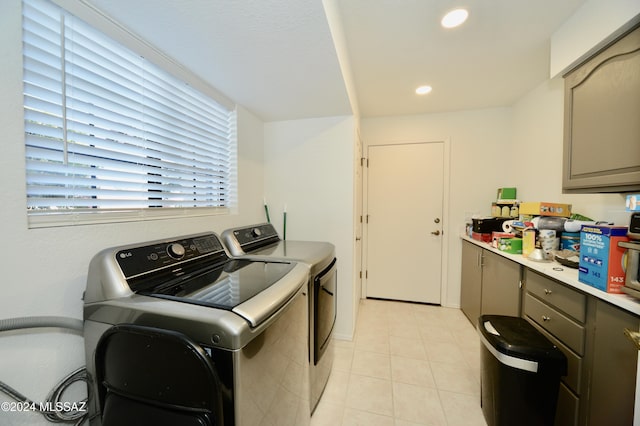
(560, 313)
(613, 373)
(490, 283)
(471, 281)
(500, 285)
(602, 120)
(599, 387)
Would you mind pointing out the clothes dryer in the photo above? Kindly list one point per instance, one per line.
(261, 241)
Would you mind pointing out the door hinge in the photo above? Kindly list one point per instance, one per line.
(360, 274)
(366, 274)
(367, 218)
(360, 218)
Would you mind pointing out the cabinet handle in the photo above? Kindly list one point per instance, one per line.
(546, 318)
(634, 336)
(547, 291)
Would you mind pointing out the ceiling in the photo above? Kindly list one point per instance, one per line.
(292, 59)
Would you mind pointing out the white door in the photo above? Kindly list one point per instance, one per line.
(404, 207)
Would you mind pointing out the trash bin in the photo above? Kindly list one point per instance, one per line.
(520, 372)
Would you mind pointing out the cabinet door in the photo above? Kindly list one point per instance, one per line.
(500, 285)
(602, 130)
(471, 283)
(613, 376)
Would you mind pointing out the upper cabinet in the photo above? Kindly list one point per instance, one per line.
(602, 120)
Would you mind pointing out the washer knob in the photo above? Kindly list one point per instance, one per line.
(256, 232)
(176, 250)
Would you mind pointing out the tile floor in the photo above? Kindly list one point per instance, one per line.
(409, 364)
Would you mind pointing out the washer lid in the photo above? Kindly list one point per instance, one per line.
(233, 286)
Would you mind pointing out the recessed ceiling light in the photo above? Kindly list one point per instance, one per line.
(454, 18)
(423, 90)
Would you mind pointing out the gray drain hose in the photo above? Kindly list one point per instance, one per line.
(37, 322)
(55, 395)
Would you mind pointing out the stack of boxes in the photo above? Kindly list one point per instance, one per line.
(491, 230)
(602, 261)
(506, 205)
(548, 239)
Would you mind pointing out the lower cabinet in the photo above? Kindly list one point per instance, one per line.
(471, 281)
(490, 283)
(614, 364)
(500, 285)
(599, 387)
(560, 313)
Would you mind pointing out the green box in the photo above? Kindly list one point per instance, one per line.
(510, 245)
(507, 193)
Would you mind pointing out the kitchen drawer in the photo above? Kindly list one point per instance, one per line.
(562, 297)
(574, 362)
(561, 326)
(567, 409)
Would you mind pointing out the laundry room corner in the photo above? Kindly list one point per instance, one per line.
(309, 171)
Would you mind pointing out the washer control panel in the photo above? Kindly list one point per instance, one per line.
(255, 233)
(139, 260)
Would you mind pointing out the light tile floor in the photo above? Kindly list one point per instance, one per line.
(409, 364)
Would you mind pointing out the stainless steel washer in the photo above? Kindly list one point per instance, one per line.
(188, 311)
(261, 241)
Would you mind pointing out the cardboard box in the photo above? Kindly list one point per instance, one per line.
(510, 245)
(485, 237)
(495, 237)
(539, 208)
(633, 203)
(487, 225)
(601, 260)
(506, 194)
(528, 241)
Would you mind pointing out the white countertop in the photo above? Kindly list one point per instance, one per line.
(566, 275)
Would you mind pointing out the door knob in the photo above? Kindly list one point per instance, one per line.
(435, 232)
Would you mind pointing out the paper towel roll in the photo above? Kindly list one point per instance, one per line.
(575, 225)
(549, 222)
(507, 226)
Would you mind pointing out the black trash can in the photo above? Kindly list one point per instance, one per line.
(520, 372)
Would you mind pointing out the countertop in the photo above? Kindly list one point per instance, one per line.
(568, 276)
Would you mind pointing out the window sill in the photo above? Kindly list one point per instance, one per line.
(52, 220)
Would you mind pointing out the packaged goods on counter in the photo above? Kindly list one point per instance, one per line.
(602, 261)
(539, 208)
(510, 245)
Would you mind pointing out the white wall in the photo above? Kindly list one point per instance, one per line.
(309, 167)
(593, 22)
(44, 270)
(479, 164)
(519, 146)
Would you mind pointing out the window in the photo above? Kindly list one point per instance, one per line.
(109, 132)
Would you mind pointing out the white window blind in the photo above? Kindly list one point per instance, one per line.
(106, 130)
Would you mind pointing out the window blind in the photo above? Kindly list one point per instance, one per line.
(107, 130)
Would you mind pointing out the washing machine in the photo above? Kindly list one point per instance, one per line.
(261, 241)
(177, 332)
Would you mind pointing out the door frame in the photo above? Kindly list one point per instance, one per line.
(446, 228)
